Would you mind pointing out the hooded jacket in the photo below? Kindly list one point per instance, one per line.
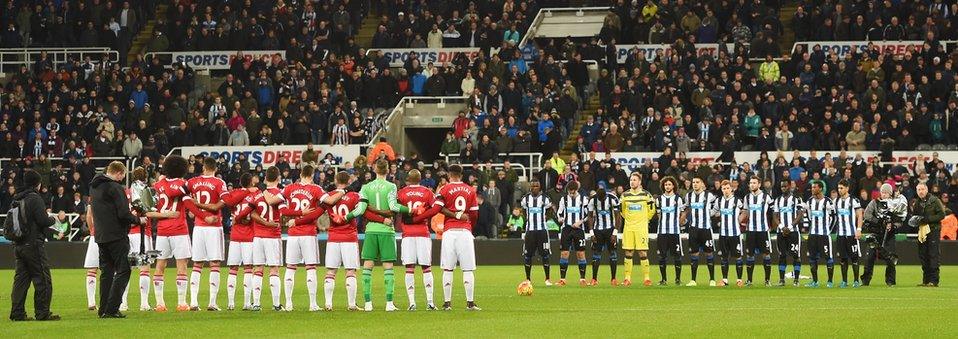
(35, 214)
(111, 209)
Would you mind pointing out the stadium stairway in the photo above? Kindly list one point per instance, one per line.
(364, 38)
(788, 36)
(143, 37)
(590, 107)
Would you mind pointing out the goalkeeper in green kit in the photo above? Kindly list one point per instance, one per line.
(379, 196)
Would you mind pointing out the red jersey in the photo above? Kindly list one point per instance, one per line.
(458, 197)
(242, 229)
(206, 190)
(269, 213)
(135, 228)
(415, 196)
(300, 197)
(343, 232)
(170, 196)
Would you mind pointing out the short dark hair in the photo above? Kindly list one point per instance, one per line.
(246, 180)
(209, 164)
(31, 178)
(843, 182)
(272, 174)
(307, 171)
(455, 170)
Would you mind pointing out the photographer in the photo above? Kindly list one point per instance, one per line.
(927, 212)
(882, 217)
(112, 218)
(31, 256)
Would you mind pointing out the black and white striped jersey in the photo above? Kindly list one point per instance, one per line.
(758, 206)
(603, 211)
(729, 209)
(572, 209)
(819, 215)
(787, 207)
(536, 207)
(700, 209)
(846, 216)
(670, 208)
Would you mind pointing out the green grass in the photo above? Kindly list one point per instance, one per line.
(602, 311)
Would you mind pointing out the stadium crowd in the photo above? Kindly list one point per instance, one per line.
(329, 90)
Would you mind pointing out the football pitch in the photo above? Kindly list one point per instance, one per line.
(594, 312)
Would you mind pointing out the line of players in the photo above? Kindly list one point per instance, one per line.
(752, 217)
(258, 217)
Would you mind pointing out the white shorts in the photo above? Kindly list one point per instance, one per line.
(268, 252)
(207, 243)
(302, 250)
(175, 246)
(241, 253)
(416, 251)
(458, 247)
(92, 259)
(342, 253)
(135, 243)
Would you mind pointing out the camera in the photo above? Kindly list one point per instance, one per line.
(143, 258)
(870, 240)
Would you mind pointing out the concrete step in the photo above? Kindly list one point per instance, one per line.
(143, 37)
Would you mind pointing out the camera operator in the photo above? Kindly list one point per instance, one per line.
(112, 218)
(31, 256)
(927, 212)
(882, 217)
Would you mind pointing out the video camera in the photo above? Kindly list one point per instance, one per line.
(142, 257)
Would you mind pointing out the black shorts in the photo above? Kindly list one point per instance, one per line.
(700, 239)
(669, 244)
(536, 242)
(819, 246)
(603, 241)
(757, 242)
(572, 239)
(848, 247)
(790, 244)
(730, 246)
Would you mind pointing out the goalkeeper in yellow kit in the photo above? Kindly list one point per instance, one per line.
(638, 208)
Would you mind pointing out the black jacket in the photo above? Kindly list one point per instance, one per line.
(111, 210)
(35, 214)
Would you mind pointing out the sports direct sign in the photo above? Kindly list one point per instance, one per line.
(437, 56)
(269, 155)
(651, 51)
(845, 47)
(215, 60)
(633, 160)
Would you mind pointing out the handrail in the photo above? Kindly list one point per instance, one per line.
(27, 56)
(547, 12)
(129, 162)
(401, 107)
(71, 217)
(535, 161)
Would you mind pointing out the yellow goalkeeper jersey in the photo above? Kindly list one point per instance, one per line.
(638, 208)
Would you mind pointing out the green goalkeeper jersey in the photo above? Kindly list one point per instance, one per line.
(380, 195)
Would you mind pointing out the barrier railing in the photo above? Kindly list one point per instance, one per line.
(530, 163)
(99, 163)
(548, 12)
(27, 56)
(392, 123)
(71, 218)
